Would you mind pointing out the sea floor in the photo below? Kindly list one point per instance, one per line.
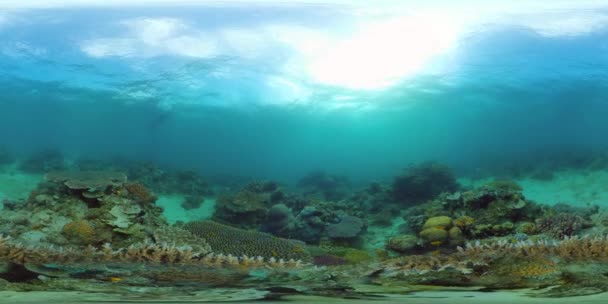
(450, 296)
(574, 187)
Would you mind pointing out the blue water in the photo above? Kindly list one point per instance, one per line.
(237, 91)
(223, 88)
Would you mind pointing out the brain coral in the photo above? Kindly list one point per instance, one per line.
(229, 240)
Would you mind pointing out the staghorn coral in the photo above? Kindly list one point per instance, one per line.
(570, 248)
(229, 240)
(144, 252)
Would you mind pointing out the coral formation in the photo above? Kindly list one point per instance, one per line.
(87, 180)
(229, 240)
(80, 232)
(325, 186)
(140, 193)
(136, 253)
(494, 209)
(248, 208)
(562, 224)
(349, 227)
(422, 182)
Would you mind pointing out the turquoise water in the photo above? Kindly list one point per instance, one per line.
(197, 99)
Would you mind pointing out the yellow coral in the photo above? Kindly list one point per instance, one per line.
(81, 232)
(464, 222)
(434, 234)
(442, 222)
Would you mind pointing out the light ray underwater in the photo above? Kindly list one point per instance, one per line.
(303, 151)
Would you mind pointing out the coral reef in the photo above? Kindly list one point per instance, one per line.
(81, 232)
(167, 181)
(324, 186)
(494, 209)
(238, 242)
(248, 208)
(562, 224)
(140, 193)
(146, 252)
(423, 182)
(348, 228)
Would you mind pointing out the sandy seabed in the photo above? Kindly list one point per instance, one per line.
(452, 296)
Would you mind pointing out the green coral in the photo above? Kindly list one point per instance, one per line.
(229, 240)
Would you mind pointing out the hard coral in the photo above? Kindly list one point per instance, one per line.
(80, 232)
(229, 240)
(248, 208)
(87, 180)
(561, 225)
(423, 182)
(140, 193)
(349, 227)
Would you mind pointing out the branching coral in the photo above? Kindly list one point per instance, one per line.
(229, 240)
(570, 248)
(145, 252)
(562, 224)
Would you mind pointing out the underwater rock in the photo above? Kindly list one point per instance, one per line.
(423, 182)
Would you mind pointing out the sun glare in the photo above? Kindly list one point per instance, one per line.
(382, 53)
